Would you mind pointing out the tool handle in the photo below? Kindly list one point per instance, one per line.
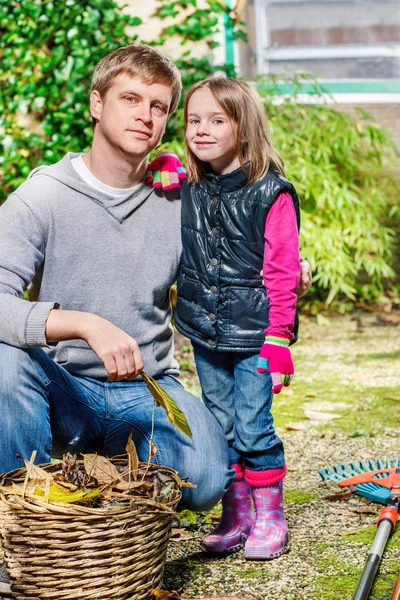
(367, 577)
(390, 514)
(373, 560)
(396, 591)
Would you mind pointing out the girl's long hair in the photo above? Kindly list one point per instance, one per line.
(242, 104)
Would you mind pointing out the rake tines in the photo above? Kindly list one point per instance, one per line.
(373, 491)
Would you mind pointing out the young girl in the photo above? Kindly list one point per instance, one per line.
(240, 216)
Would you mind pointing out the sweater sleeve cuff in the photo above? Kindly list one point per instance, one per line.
(35, 327)
(276, 341)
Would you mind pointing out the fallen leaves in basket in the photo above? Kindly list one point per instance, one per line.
(98, 481)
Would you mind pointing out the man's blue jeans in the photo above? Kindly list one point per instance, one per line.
(241, 400)
(46, 408)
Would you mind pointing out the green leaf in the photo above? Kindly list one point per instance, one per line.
(163, 399)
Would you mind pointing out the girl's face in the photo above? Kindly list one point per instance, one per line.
(210, 134)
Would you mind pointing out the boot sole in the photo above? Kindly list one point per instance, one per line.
(216, 549)
(259, 554)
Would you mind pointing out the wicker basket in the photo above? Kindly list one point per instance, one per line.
(65, 551)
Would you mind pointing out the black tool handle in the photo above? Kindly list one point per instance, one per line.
(366, 580)
(367, 577)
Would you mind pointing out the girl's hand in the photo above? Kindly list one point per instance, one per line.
(305, 278)
(276, 358)
(166, 171)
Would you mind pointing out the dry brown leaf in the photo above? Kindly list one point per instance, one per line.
(344, 512)
(392, 398)
(353, 511)
(351, 531)
(34, 472)
(339, 496)
(153, 449)
(360, 377)
(127, 486)
(180, 535)
(315, 415)
(363, 510)
(60, 480)
(388, 319)
(311, 395)
(165, 595)
(133, 458)
(100, 468)
(286, 392)
(299, 426)
(19, 490)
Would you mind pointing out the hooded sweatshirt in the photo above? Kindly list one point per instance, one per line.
(81, 249)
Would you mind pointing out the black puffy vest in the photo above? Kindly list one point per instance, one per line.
(222, 303)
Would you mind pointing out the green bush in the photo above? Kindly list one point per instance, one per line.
(48, 51)
(339, 164)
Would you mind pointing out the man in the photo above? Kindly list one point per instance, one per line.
(101, 249)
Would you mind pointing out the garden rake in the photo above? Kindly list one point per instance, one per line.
(381, 485)
(371, 489)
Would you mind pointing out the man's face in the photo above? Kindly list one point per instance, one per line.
(132, 116)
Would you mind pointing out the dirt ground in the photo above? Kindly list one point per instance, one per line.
(343, 406)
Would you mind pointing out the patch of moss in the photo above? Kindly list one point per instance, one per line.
(365, 413)
(299, 496)
(188, 518)
(250, 572)
(362, 536)
(337, 579)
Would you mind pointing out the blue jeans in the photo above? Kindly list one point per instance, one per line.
(241, 400)
(46, 408)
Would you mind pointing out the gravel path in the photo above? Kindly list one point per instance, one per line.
(330, 539)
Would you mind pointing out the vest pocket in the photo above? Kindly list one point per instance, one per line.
(187, 304)
(248, 314)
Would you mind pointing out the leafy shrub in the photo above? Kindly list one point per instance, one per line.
(340, 166)
(338, 163)
(48, 51)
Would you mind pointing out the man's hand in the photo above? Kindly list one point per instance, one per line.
(118, 351)
(166, 171)
(305, 278)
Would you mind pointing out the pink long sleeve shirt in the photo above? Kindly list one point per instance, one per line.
(281, 266)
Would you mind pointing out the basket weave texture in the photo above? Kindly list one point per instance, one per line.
(62, 551)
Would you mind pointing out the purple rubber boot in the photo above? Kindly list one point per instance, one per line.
(236, 521)
(269, 535)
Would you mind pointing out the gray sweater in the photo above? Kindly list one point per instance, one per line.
(88, 251)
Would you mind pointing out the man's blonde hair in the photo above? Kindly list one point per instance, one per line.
(242, 104)
(142, 62)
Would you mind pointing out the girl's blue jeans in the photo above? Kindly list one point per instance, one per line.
(241, 400)
(46, 408)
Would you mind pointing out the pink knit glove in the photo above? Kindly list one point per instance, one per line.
(275, 357)
(166, 171)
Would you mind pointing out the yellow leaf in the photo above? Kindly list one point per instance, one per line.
(55, 492)
(163, 399)
(100, 468)
(59, 494)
